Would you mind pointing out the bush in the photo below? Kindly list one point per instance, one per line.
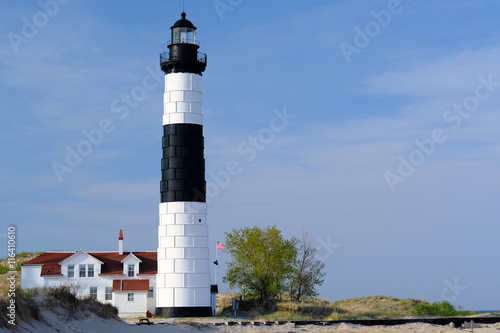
(64, 297)
(60, 296)
(103, 310)
(440, 309)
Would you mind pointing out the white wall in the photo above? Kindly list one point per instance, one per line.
(183, 278)
(30, 277)
(182, 99)
(138, 307)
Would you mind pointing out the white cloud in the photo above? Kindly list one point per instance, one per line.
(450, 76)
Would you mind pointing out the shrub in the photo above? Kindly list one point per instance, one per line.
(60, 296)
(442, 309)
(103, 310)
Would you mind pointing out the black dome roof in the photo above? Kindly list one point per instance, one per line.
(183, 22)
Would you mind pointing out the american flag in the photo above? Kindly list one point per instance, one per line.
(220, 246)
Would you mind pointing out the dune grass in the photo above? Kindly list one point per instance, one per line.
(375, 307)
(30, 303)
(20, 259)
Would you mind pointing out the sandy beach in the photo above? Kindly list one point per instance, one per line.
(61, 321)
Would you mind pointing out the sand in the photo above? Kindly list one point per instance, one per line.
(60, 321)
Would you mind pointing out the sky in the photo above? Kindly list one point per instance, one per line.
(371, 125)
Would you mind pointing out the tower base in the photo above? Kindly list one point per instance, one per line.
(181, 312)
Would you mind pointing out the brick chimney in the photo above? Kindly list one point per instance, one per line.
(120, 243)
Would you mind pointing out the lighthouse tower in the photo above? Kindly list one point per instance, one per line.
(183, 279)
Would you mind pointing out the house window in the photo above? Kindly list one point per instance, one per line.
(109, 294)
(82, 271)
(71, 270)
(93, 292)
(90, 270)
(131, 270)
(130, 297)
(150, 292)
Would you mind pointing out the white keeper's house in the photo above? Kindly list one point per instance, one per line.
(125, 279)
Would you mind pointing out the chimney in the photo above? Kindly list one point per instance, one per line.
(120, 243)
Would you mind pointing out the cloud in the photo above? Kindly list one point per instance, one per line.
(449, 76)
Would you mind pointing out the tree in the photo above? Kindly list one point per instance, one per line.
(262, 260)
(308, 272)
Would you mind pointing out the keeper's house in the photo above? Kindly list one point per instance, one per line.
(125, 279)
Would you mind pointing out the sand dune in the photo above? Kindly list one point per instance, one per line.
(60, 320)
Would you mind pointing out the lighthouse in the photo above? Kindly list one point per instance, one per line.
(183, 278)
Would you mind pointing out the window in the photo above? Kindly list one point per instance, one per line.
(183, 35)
(131, 270)
(85, 270)
(71, 270)
(93, 292)
(130, 297)
(150, 292)
(109, 294)
(82, 271)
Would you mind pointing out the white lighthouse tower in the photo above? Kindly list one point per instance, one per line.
(183, 279)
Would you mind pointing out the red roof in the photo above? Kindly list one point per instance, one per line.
(130, 285)
(149, 263)
(112, 262)
(50, 262)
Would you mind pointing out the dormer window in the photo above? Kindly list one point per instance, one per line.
(71, 270)
(131, 270)
(86, 270)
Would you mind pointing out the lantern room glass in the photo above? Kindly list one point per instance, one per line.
(182, 35)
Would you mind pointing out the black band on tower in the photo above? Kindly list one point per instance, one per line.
(182, 312)
(183, 165)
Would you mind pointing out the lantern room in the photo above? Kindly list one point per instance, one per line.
(183, 31)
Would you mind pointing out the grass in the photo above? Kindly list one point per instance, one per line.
(26, 307)
(439, 309)
(20, 259)
(30, 303)
(375, 307)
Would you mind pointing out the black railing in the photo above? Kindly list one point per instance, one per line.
(165, 57)
(184, 41)
(202, 57)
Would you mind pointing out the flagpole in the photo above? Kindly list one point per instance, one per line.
(216, 253)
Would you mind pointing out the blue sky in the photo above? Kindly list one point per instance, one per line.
(386, 147)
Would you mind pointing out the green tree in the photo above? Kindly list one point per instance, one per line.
(262, 260)
(308, 272)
